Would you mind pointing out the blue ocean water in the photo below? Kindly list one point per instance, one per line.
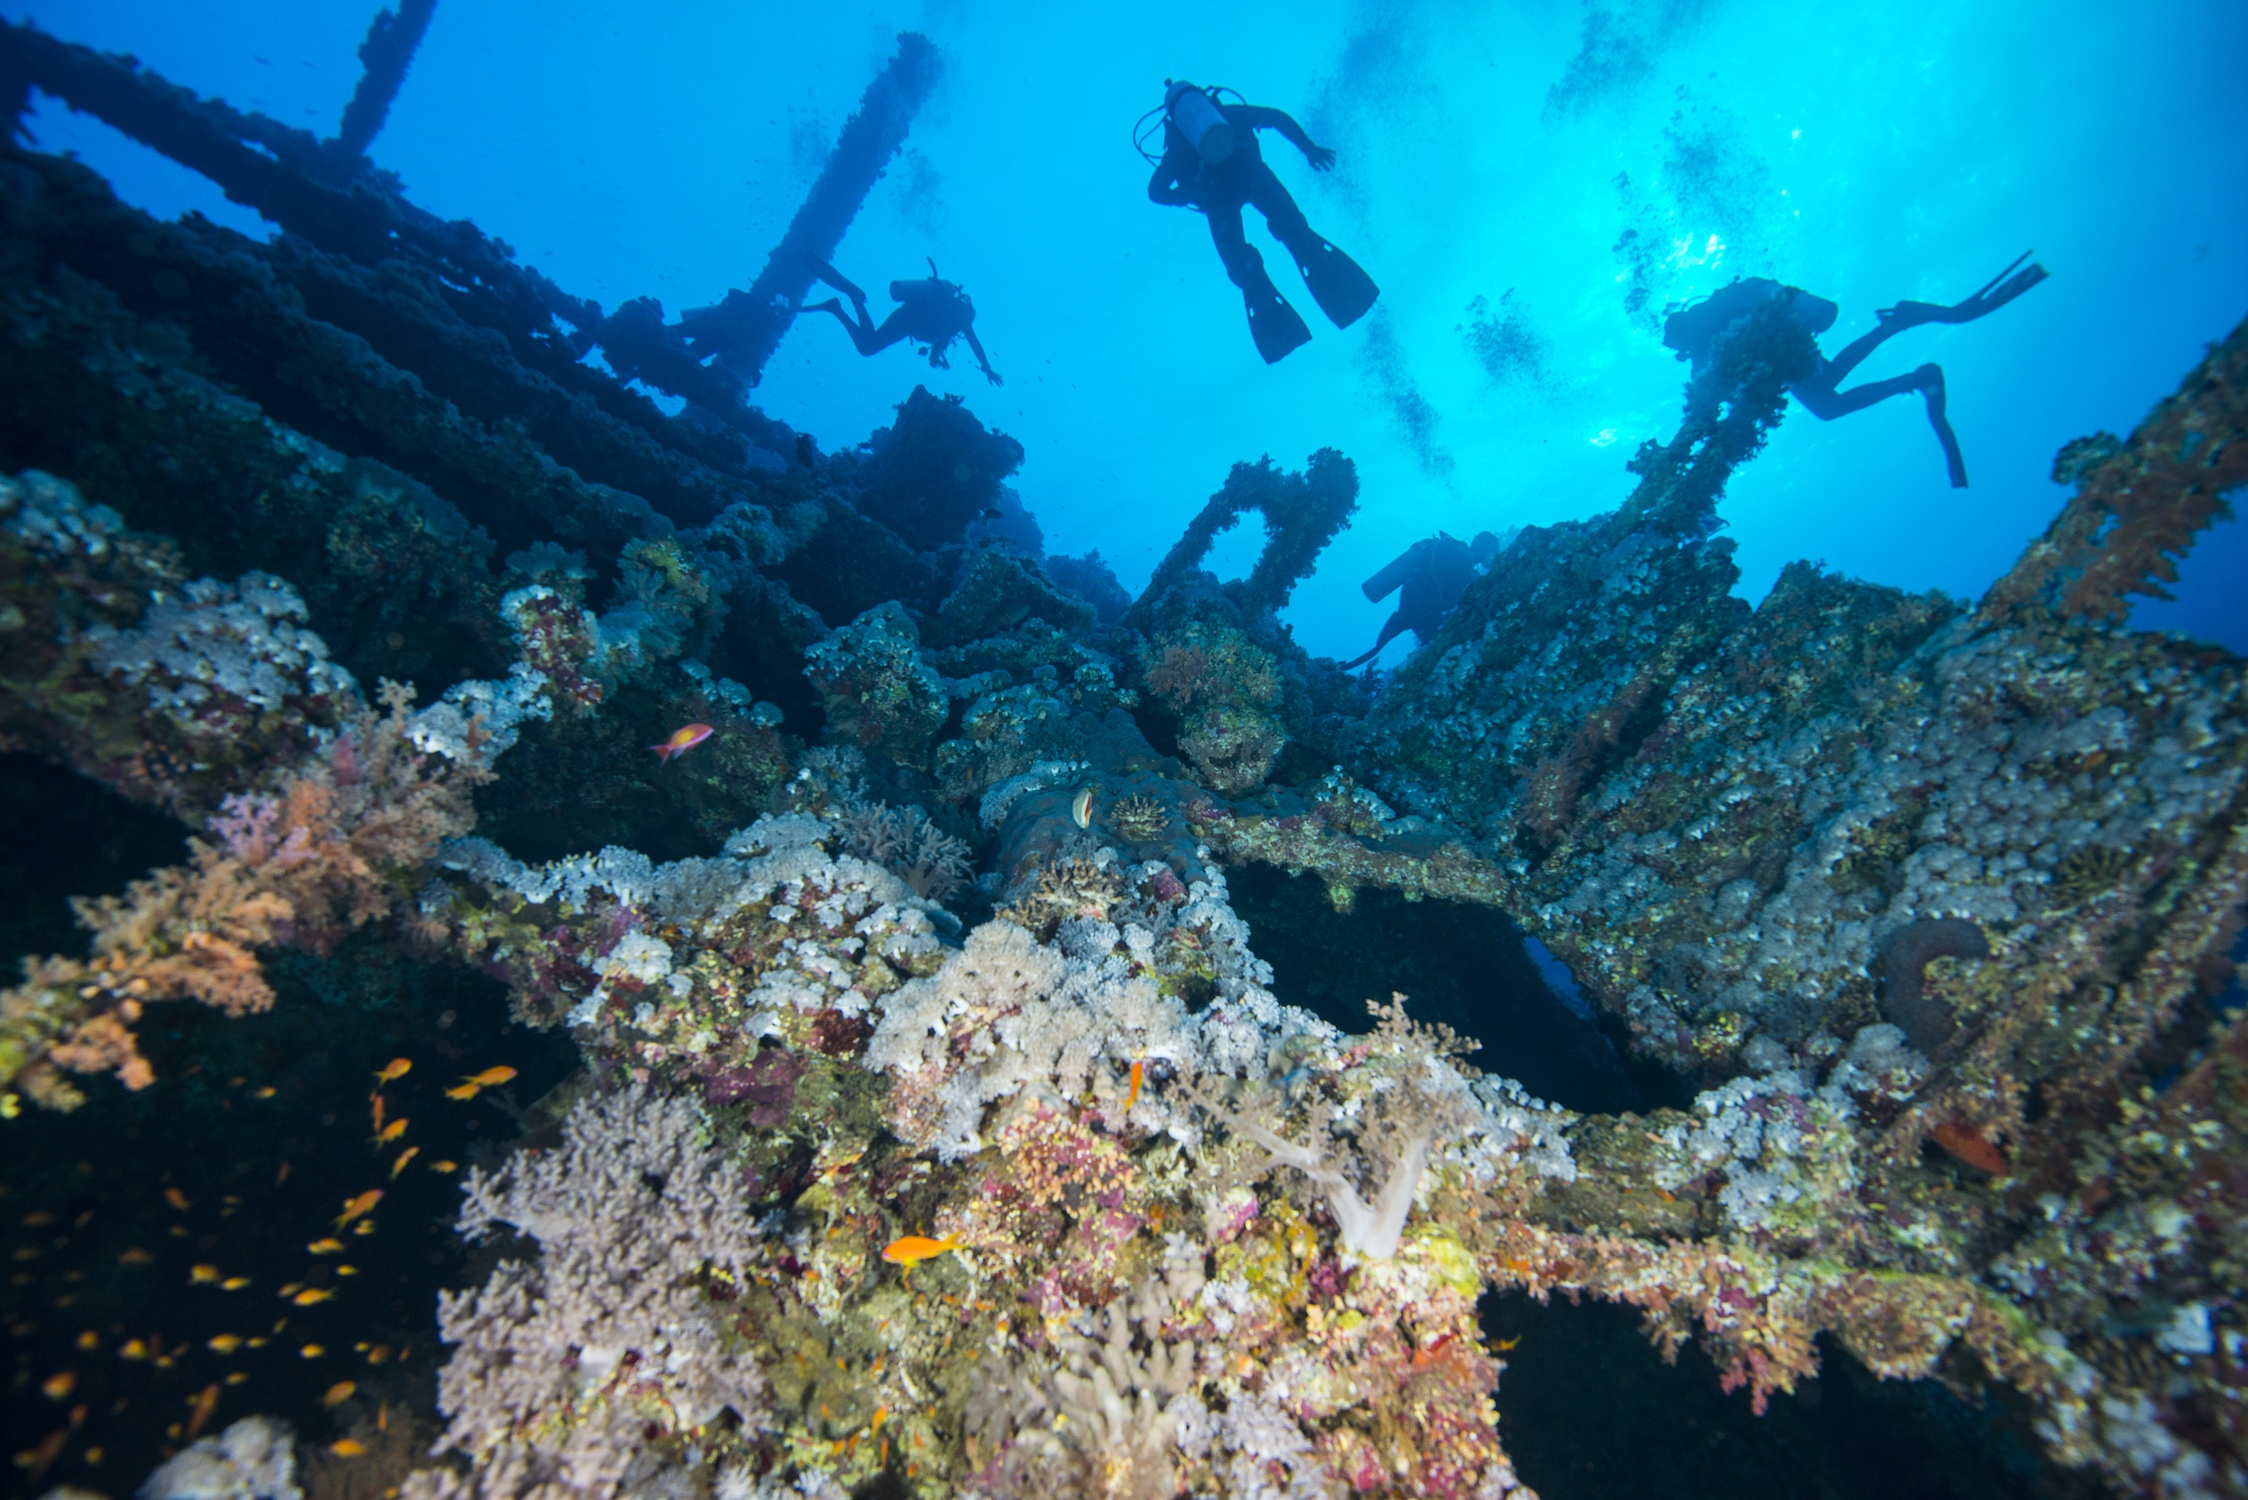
(1491, 160)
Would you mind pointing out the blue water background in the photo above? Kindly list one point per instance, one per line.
(1868, 152)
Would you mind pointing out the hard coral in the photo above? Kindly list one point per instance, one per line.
(1225, 690)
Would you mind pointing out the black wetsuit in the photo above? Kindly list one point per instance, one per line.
(1693, 332)
(930, 311)
(1429, 578)
(1183, 179)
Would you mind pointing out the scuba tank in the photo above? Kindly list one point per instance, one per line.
(1197, 117)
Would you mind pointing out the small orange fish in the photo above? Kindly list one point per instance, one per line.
(59, 1387)
(202, 1275)
(200, 1407)
(89, 1340)
(490, 1078)
(133, 1349)
(347, 1270)
(355, 1207)
(909, 1250)
(392, 1131)
(338, 1393)
(326, 1247)
(1505, 1344)
(135, 1257)
(312, 1294)
(404, 1157)
(224, 1343)
(1139, 1076)
(177, 1199)
(312, 1351)
(1971, 1146)
(444, 1166)
(375, 1099)
(266, 1093)
(378, 1355)
(395, 1069)
(234, 1283)
(682, 740)
(347, 1448)
(37, 1461)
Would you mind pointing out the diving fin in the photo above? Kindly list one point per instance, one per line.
(1344, 291)
(1278, 328)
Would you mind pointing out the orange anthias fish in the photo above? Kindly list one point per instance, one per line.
(200, 1406)
(391, 1132)
(682, 741)
(909, 1250)
(1971, 1146)
(355, 1207)
(1139, 1076)
(404, 1157)
(375, 1099)
(312, 1294)
(395, 1069)
(326, 1247)
(489, 1078)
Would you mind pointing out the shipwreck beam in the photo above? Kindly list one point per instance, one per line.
(744, 329)
(386, 54)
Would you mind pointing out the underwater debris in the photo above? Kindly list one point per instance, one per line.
(2138, 505)
(1302, 513)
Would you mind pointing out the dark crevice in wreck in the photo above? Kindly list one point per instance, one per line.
(1458, 965)
(1592, 1411)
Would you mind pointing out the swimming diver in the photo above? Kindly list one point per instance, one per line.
(931, 311)
(1210, 162)
(1429, 576)
(1694, 331)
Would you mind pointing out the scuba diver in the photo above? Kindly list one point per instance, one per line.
(932, 312)
(1211, 163)
(1430, 576)
(1694, 332)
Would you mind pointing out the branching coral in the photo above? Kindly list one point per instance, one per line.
(1369, 1163)
(932, 863)
(570, 1371)
(331, 849)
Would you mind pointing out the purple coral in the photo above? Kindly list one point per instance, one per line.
(767, 1085)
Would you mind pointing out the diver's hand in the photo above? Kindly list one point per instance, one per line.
(1322, 158)
(993, 376)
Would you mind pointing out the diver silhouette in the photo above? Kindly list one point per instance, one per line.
(1429, 578)
(1694, 331)
(932, 311)
(1210, 162)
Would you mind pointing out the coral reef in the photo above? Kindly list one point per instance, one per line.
(585, 1370)
(938, 1130)
(254, 1459)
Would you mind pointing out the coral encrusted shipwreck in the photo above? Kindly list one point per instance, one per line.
(1932, 906)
